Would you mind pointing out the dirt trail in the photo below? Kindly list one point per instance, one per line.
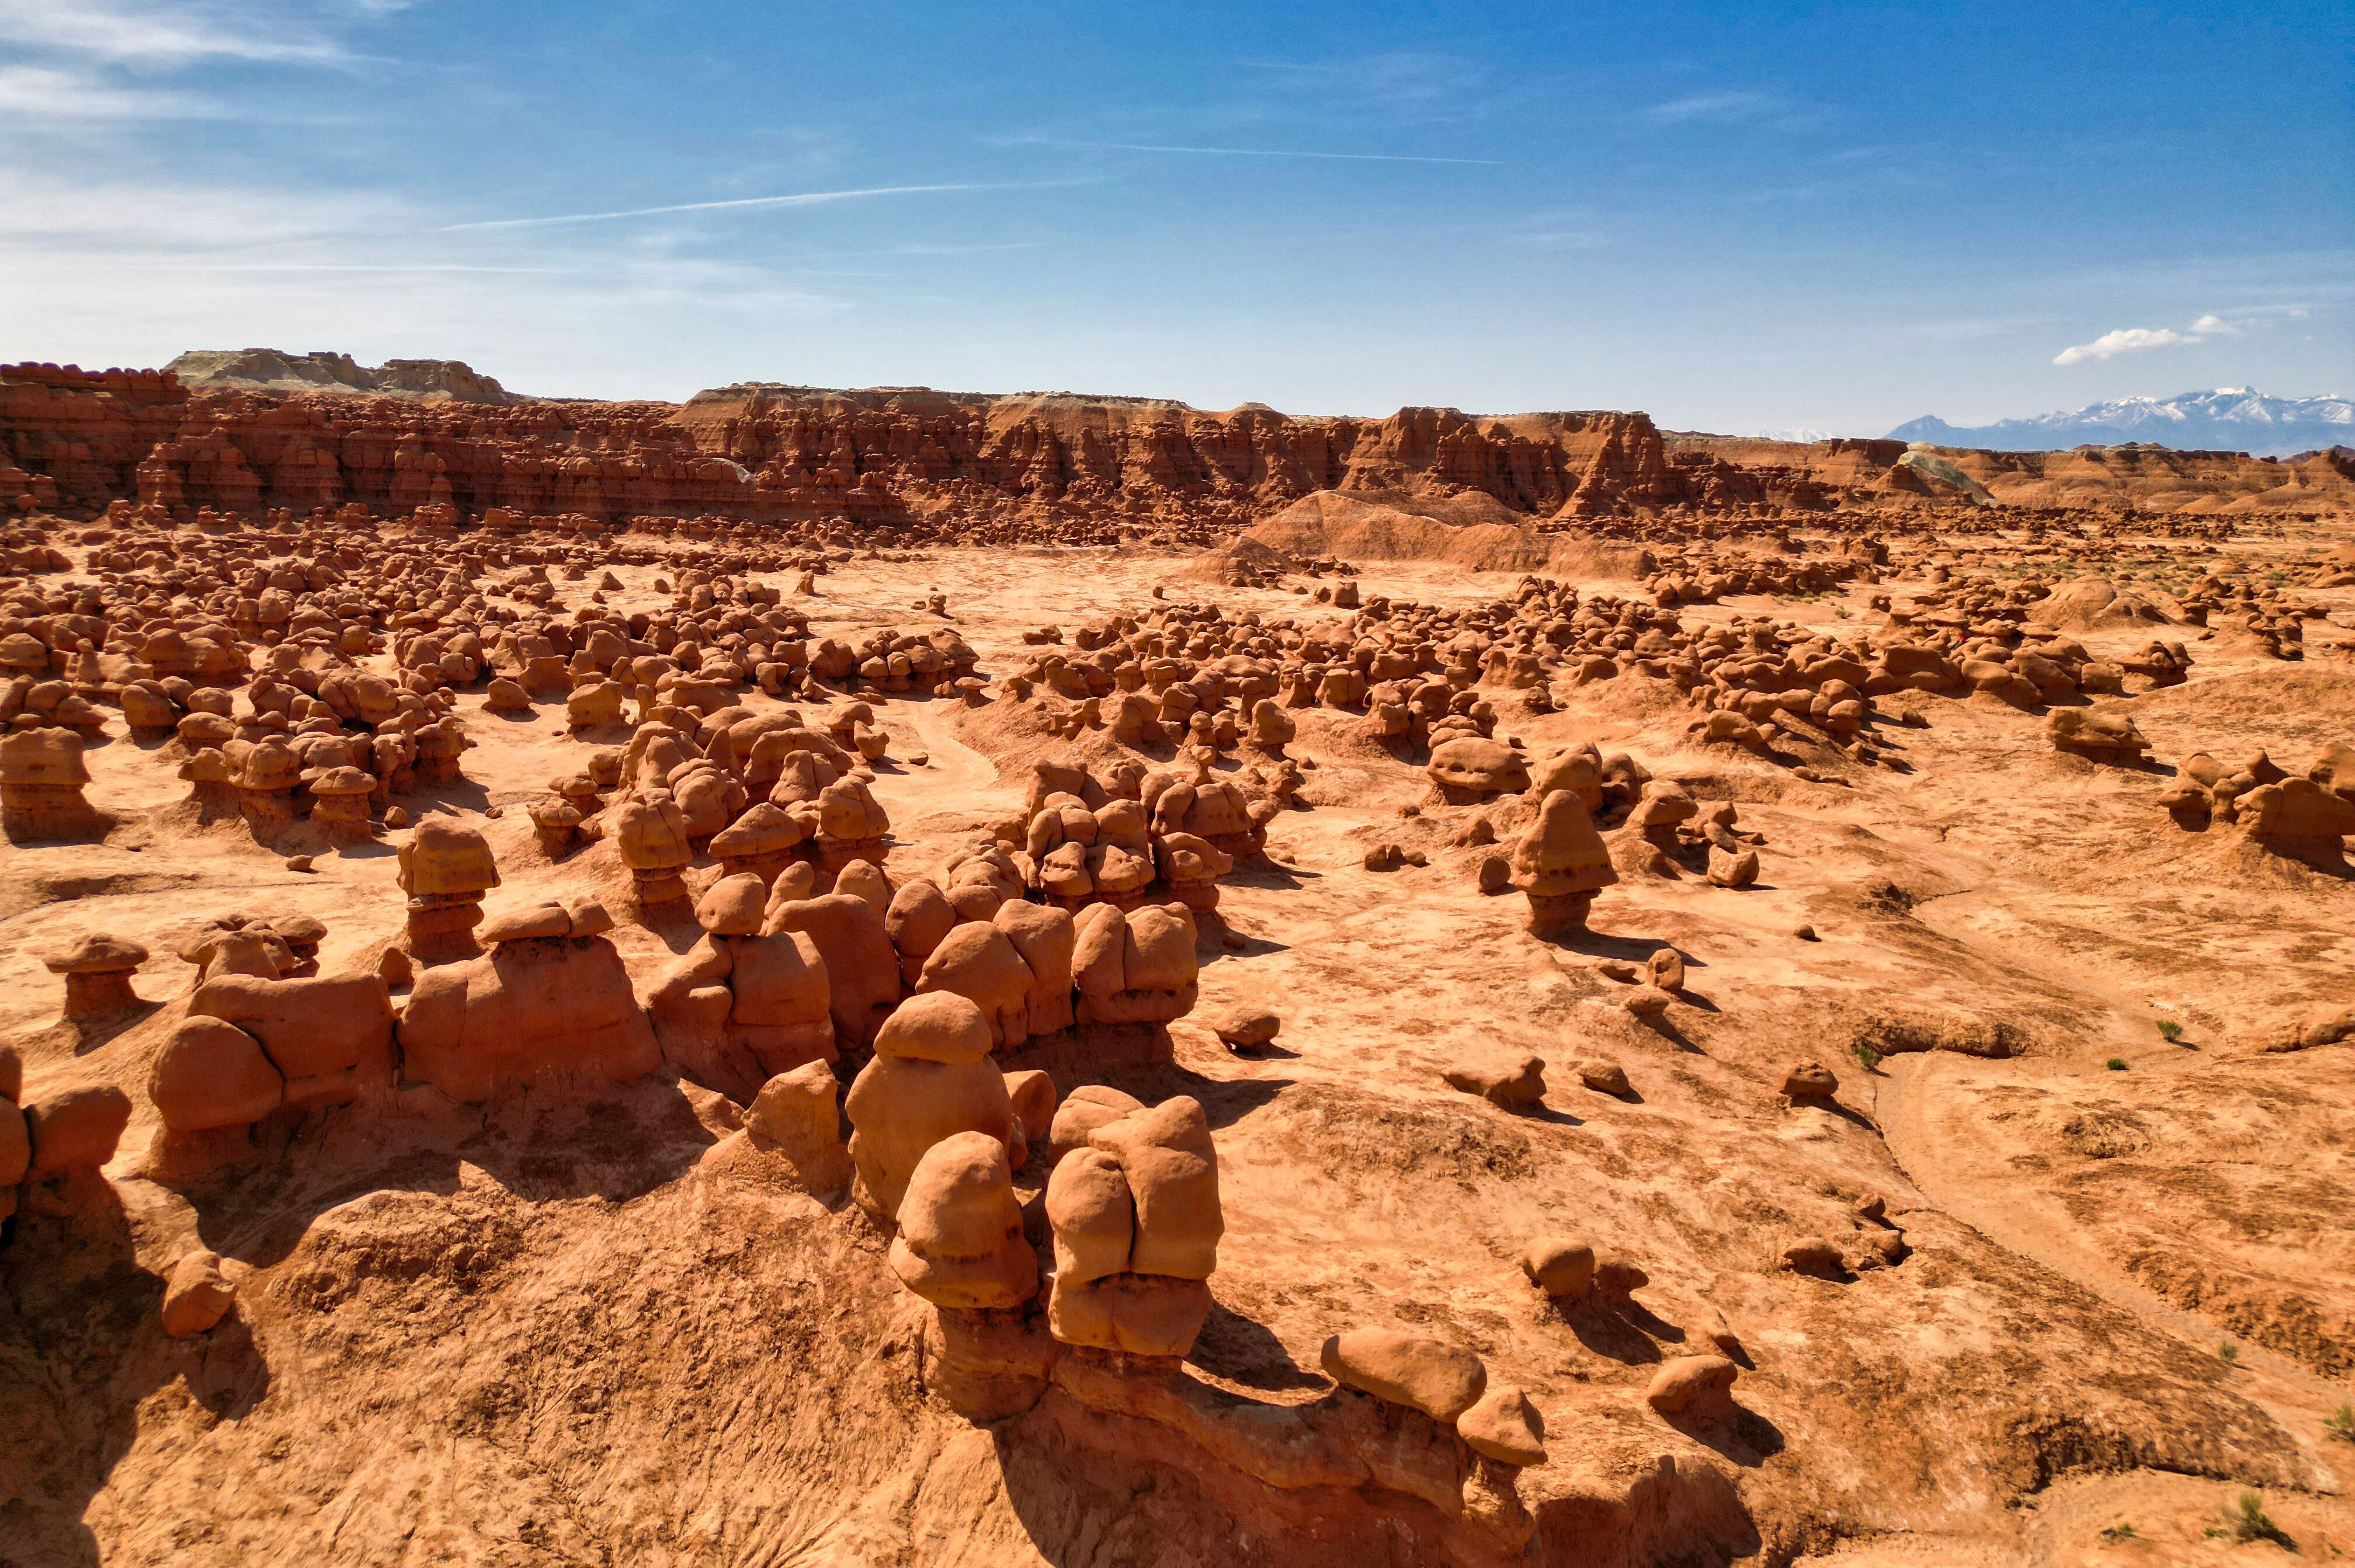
(2015, 1217)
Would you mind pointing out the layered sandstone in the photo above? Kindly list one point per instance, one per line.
(255, 430)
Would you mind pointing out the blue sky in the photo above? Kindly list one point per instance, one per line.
(1735, 217)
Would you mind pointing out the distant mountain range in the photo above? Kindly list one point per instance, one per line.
(2230, 419)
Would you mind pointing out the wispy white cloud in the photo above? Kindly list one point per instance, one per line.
(1713, 106)
(738, 204)
(114, 217)
(133, 270)
(176, 32)
(2142, 339)
(1557, 228)
(376, 267)
(1776, 110)
(1397, 80)
(1951, 331)
(45, 97)
(1246, 152)
(2125, 340)
(922, 248)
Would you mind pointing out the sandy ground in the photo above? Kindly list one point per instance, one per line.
(559, 1334)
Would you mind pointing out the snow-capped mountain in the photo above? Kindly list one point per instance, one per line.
(2230, 419)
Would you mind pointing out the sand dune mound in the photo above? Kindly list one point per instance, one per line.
(1471, 531)
(2097, 603)
(2299, 702)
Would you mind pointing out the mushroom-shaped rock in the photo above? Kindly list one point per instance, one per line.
(1804, 1080)
(1692, 1385)
(1121, 875)
(979, 962)
(741, 1007)
(1136, 1221)
(1561, 863)
(1502, 1080)
(795, 1115)
(542, 1003)
(1578, 769)
(2099, 734)
(1272, 728)
(862, 969)
(761, 841)
(733, 906)
(266, 775)
(1135, 967)
(1469, 769)
(1440, 1379)
(919, 919)
(41, 780)
(211, 1073)
(650, 831)
(211, 795)
(76, 1129)
(593, 705)
(2187, 802)
(197, 1296)
(1063, 875)
(1173, 1172)
(231, 947)
(2298, 817)
(1045, 938)
(329, 1037)
(555, 823)
(779, 1011)
(960, 1243)
(1560, 1267)
(865, 880)
(1084, 1110)
(1603, 1077)
(98, 971)
(708, 798)
(445, 870)
(851, 824)
(932, 1078)
(1731, 867)
(505, 696)
(1503, 1426)
(1665, 807)
(1092, 1214)
(1245, 1026)
(339, 801)
(1192, 866)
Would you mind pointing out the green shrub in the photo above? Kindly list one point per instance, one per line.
(2115, 1065)
(2248, 1521)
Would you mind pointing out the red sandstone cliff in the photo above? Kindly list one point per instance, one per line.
(74, 441)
